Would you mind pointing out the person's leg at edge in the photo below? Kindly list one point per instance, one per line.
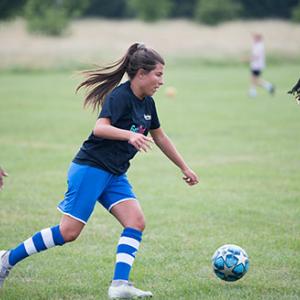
(268, 86)
(253, 87)
(131, 217)
(258, 81)
(67, 231)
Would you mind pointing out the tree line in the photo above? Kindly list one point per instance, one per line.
(53, 16)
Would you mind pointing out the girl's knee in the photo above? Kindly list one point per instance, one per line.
(138, 223)
(70, 228)
(69, 234)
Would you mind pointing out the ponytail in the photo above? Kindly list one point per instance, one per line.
(101, 81)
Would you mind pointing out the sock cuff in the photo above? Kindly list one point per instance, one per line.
(132, 233)
(57, 236)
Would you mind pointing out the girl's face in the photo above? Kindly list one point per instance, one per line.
(152, 81)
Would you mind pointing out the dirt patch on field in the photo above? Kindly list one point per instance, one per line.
(92, 41)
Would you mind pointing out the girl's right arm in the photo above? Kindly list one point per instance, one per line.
(104, 129)
(169, 149)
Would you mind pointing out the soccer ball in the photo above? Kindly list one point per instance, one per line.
(171, 91)
(230, 262)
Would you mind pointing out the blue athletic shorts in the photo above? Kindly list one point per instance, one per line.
(87, 185)
(256, 73)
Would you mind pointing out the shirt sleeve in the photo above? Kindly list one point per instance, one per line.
(154, 120)
(113, 108)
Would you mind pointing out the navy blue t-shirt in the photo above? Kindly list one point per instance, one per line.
(125, 111)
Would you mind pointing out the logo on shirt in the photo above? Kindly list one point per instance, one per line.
(139, 129)
(147, 117)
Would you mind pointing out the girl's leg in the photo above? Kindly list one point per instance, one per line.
(129, 214)
(267, 86)
(80, 198)
(68, 230)
(131, 217)
(254, 84)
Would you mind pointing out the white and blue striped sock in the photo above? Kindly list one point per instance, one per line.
(43, 240)
(126, 251)
(267, 85)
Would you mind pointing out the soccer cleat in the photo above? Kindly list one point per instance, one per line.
(4, 266)
(252, 93)
(120, 289)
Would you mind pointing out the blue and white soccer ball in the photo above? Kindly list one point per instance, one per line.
(230, 262)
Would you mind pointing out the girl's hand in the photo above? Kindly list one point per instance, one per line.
(190, 177)
(140, 141)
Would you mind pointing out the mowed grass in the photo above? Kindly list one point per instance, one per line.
(246, 152)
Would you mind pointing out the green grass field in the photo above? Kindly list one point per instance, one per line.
(246, 152)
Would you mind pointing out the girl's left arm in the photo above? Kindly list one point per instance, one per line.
(169, 149)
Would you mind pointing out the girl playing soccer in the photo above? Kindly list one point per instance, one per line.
(98, 171)
(257, 65)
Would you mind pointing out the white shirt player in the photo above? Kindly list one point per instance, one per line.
(257, 56)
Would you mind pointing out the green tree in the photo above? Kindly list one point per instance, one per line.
(296, 13)
(52, 17)
(216, 11)
(117, 9)
(183, 8)
(10, 8)
(148, 10)
(268, 8)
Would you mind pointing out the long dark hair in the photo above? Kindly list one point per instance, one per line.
(101, 81)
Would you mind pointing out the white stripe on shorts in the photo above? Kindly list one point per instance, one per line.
(122, 200)
(29, 246)
(67, 214)
(129, 241)
(47, 238)
(125, 258)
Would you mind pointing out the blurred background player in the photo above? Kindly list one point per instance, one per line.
(257, 64)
